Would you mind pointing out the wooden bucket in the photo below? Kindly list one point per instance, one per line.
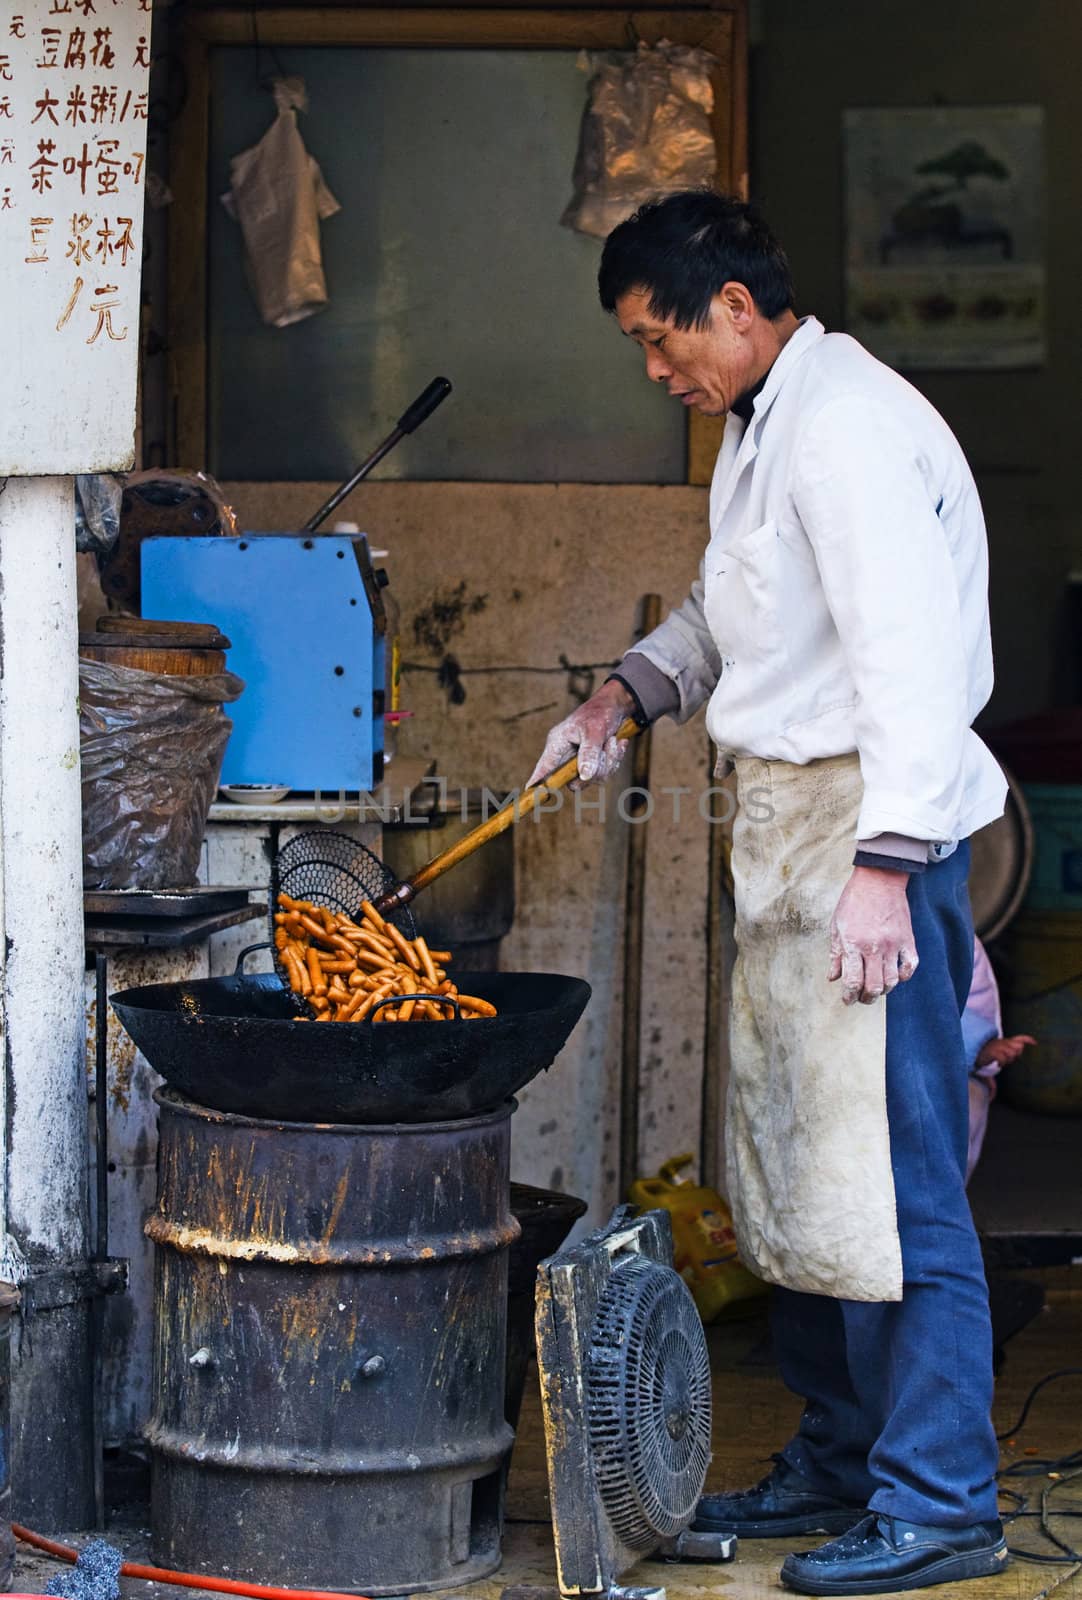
(173, 649)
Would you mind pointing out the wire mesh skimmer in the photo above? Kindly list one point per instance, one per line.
(332, 870)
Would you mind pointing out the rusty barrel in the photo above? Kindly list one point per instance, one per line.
(330, 1331)
(9, 1300)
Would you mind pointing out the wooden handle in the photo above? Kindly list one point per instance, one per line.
(634, 945)
(520, 806)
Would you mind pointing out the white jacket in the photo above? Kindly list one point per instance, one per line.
(842, 603)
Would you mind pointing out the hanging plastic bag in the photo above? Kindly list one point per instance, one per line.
(97, 512)
(646, 132)
(278, 196)
(152, 748)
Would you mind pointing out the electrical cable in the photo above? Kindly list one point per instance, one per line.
(182, 1580)
(1049, 1377)
(1059, 1472)
(449, 675)
(565, 666)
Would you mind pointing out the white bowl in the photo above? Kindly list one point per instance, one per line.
(254, 794)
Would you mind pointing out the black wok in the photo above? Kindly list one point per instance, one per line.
(231, 1044)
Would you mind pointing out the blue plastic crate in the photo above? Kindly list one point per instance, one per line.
(1056, 811)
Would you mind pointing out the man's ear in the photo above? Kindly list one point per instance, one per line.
(735, 302)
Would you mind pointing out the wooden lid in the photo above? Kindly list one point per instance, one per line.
(120, 632)
(193, 632)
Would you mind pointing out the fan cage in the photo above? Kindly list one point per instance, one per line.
(648, 1367)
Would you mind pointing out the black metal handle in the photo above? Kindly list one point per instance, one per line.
(249, 950)
(424, 405)
(439, 999)
(411, 418)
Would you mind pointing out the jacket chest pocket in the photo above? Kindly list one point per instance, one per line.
(742, 598)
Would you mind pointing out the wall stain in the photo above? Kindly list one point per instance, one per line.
(445, 617)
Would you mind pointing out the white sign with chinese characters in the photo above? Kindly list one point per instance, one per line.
(73, 120)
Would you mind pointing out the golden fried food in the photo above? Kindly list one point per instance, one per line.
(343, 969)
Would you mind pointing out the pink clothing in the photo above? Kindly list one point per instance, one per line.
(981, 1021)
(983, 1002)
(982, 1091)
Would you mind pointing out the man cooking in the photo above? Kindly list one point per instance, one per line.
(839, 630)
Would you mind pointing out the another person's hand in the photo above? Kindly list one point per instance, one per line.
(872, 948)
(591, 730)
(1001, 1052)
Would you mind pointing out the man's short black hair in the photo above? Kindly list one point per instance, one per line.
(683, 249)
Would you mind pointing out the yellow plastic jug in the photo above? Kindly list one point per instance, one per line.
(704, 1246)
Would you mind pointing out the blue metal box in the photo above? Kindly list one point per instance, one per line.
(306, 623)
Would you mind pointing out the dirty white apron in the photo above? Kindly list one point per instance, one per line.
(807, 1143)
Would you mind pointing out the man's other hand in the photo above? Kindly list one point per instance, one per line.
(872, 948)
(591, 730)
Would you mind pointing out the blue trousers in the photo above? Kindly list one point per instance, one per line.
(898, 1395)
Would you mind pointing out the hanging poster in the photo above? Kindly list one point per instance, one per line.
(73, 123)
(945, 235)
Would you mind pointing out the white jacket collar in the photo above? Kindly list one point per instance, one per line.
(809, 332)
(743, 447)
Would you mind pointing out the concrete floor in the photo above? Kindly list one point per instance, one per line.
(753, 1414)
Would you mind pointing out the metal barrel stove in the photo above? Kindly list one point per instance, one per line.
(329, 1354)
(9, 1300)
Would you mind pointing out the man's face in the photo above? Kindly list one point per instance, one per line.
(704, 368)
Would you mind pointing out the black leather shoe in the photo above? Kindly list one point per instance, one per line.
(783, 1505)
(883, 1554)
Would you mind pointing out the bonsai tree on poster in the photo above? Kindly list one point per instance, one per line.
(935, 214)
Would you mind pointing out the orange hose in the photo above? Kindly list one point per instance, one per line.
(183, 1580)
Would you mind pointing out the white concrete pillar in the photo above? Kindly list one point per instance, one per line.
(44, 1086)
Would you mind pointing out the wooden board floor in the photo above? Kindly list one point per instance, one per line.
(753, 1415)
